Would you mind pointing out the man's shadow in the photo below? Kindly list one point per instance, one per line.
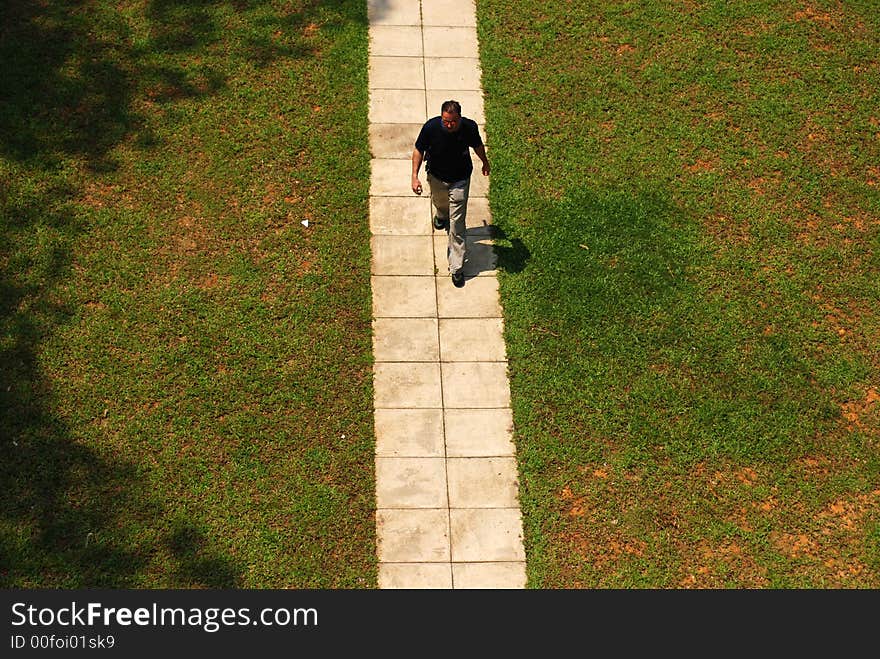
(489, 248)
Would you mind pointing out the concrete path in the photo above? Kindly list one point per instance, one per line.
(446, 478)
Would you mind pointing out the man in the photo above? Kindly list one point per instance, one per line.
(443, 144)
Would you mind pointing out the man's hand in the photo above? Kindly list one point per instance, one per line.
(485, 168)
(416, 185)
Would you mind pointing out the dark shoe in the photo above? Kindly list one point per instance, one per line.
(439, 224)
(458, 279)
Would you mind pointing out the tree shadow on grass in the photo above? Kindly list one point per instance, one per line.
(74, 74)
(59, 499)
(196, 566)
(74, 86)
(65, 506)
(635, 329)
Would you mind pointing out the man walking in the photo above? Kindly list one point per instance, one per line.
(443, 145)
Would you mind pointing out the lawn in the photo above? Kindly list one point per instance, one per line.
(687, 197)
(185, 367)
(687, 200)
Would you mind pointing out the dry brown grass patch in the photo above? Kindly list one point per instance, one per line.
(728, 231)
(712, 562)
(812, 15)
(701, 165)
(863, 411)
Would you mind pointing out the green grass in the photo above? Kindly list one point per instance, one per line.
(185, 369)
(687, 197)
(688, 201)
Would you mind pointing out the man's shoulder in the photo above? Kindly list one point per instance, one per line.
(433, 122)
(470, 127)
(472, 130)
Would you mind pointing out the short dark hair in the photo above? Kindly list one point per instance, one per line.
(451, 106)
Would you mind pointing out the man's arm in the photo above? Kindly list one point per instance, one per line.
(416, 164)
(481, 154)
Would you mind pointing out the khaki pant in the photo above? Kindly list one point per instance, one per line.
(449, 203)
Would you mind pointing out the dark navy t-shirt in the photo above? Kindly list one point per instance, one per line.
(446, 154)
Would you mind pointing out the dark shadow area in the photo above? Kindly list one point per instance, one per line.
(198, 569)
(63, 90)
(378, 9)
(58, 499)
(608, 257)
(72, 72)
(489, 249)
(60, 503)
(511, 252)
(648, 339)
(179, 26)
(74, 86)
(66, 509)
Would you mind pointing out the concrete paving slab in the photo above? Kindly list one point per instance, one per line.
(471, 103)
(482, 482)
(475, 159)
(413, 536)
(461, 13)
(480, 259)
(479, 217)
(400, 216)
(479, 433)
(396, 73)
(424, 576)
(402, 255)
(452, 73)
(398, 106)
(450, 41)
(474, 384)
(393, 140)
(479, 183)
(395, 40)
(489, 575)
(412, 482)
(392, 178)
(409, 432)
(393, 12)
(405, 340)
(478, 298)
(471, 340)
(404, 297)
(486, 535)
(407, 384)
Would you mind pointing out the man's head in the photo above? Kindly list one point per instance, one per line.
(450, 115)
